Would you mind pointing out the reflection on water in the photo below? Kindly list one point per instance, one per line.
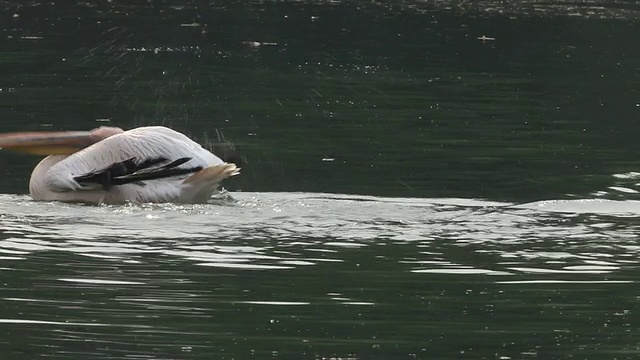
(296, 274)
(591, 9)
(286, 231)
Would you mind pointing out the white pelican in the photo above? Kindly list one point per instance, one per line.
(111, 166)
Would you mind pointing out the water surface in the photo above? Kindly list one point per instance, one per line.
(319, 276)
(404, 99)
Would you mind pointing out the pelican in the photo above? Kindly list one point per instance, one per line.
(108, 165)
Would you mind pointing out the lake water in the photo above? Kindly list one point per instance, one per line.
(442, 180)
(302, 275)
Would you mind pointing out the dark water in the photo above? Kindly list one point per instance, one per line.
(318, 276)
(489, 151)
(399, 100)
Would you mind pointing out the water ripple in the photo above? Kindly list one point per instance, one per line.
(174, 277)
(285, 231)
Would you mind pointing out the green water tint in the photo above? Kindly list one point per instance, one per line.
(314, 276)
(397, 101)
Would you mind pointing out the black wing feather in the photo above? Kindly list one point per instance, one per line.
(132, 171)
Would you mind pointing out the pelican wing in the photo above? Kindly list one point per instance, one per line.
(134, 171)
(147, 164)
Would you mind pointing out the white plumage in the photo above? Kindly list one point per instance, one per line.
(53, 177)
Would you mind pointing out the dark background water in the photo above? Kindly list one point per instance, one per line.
(395, 99)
